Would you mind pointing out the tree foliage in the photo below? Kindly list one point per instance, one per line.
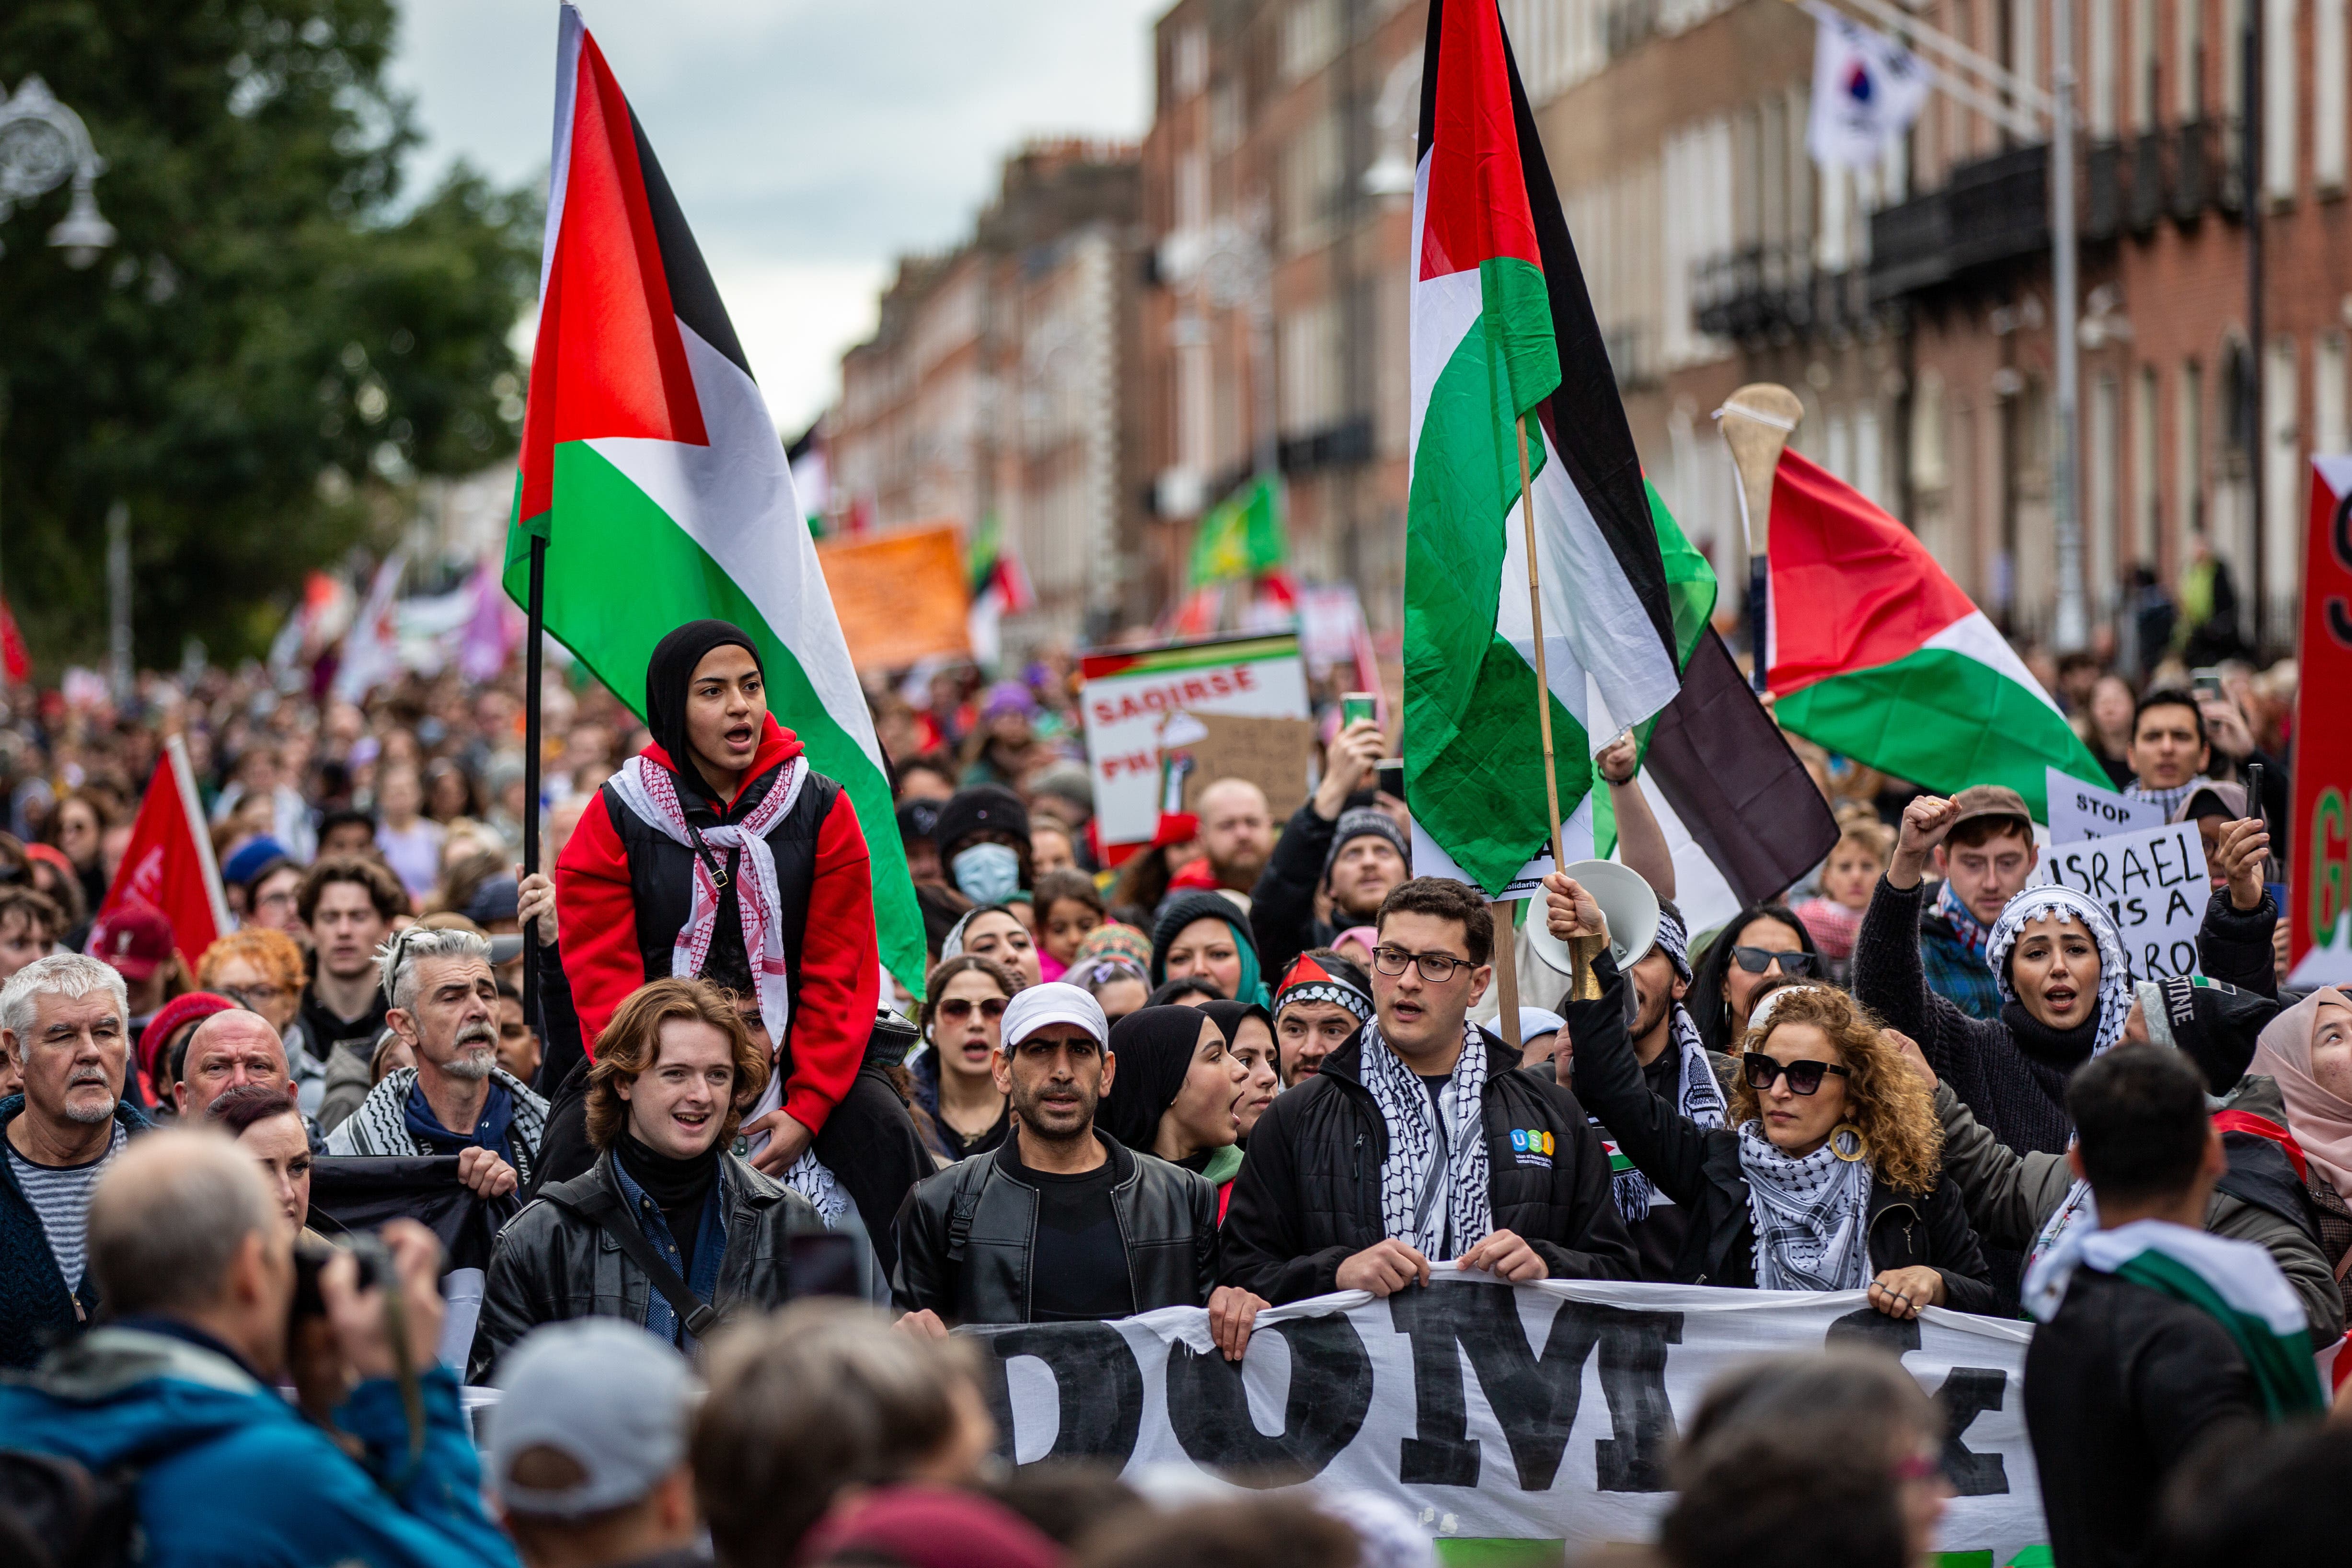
(280, 343)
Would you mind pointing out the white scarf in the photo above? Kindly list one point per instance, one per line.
(1433, 1181)
(2115, 969)
(1811, 1216)
(651, 791)
(1700, 1101)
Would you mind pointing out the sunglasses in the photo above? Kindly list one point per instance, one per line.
(957, 1009)
(1757, 960)
(1804, 1077)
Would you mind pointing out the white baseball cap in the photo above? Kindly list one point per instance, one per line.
(1056, 1002)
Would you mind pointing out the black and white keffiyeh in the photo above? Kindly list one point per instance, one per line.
(2115, 969)
(2169, 799)
(1433, 1183)
(1811, 1216)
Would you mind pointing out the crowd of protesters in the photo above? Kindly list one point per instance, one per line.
(269, 1207)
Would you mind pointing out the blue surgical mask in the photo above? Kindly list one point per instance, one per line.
(988, 873)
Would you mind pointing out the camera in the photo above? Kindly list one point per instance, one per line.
(313, 1254)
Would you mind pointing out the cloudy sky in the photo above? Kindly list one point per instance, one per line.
(810, 141)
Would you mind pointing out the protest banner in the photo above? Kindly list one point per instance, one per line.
(1130, 693)
(2153, 883)
(2080, 810)
(900, 596)
(2319, 901)
(1546, 1411)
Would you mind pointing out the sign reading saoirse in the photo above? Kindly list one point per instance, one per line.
(2319, 882)
(900, 596)
(1129, 693)
(1546, 1411)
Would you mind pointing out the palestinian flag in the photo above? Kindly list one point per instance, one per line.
(1000, 587)
(1502, 327)
(1878, 655)
(653, 471)
(1240, 536)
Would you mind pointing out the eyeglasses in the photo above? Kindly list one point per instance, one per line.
(1757, 960)
(1437, 968)
(957, 1009)
(252, 997)
(1804, 1077)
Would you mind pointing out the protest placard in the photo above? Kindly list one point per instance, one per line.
(900, 596)
(1129, 695)
(2319, 910)
(2080, 810)
(2152, 882)
(1275, 754)
(1546, 1411)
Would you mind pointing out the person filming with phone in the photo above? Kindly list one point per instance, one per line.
(669, 1229)
(189, 1249)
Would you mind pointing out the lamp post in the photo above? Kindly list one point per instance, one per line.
(42, 145)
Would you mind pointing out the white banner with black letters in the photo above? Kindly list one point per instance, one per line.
(1545, 1411)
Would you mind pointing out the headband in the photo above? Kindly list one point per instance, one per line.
(1308, 980)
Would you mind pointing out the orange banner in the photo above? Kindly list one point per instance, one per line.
(900, 596)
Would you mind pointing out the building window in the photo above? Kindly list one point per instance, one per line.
(2144, 59)
(2106, 441)
(2188, 60)
(2329, 433)
(2103, 65)
(2280, 63)
(1309, 170)
(1309, 379)
(2327, 73)
(2025, 39)
(2282, 470)
(1192, 60)
(1930, 465)
(2189, 458)
(2148, 501)
(1310, 37)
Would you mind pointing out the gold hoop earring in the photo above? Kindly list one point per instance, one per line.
(1847, 1142)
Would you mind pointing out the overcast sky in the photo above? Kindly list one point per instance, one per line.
(810, 141)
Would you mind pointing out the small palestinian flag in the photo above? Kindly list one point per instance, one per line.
(653, 471)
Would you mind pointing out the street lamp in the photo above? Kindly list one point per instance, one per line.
(42, 144)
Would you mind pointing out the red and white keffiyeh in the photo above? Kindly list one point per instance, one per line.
(651, 791)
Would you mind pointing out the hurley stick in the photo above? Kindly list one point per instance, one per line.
(1756, 422)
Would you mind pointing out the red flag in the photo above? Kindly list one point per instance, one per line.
(168, 866)
(13, 657)
(2319, 836)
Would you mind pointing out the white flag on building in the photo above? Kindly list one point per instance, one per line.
(1867, 89)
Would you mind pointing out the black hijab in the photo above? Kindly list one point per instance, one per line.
(670, 672)
(1229, 1017)
(1153, 1047)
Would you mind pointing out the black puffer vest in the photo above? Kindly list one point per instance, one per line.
(661, 879)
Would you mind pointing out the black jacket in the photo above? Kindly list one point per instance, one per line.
(966, 1235)
(1698, 1167)
(2119, 1386)
(552, 1265)
(1282, 905)
(2234, 944)
(1308, 1196)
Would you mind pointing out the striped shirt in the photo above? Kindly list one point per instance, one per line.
(60, 1196)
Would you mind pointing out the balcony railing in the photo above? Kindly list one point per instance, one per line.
(1774, 292)
(2103, 191)
(1989, 212)
(2145, 202)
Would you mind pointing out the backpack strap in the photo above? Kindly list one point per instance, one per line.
(699, 1315)
(965, 1206)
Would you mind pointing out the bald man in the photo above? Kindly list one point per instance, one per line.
(190, 1256)
(227, 1050)
(1236, 830)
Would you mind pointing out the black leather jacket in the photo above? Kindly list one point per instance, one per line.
(966, 1235)
(552, 1264)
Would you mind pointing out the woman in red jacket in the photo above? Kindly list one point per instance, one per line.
(717, 852)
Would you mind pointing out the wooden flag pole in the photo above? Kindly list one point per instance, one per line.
(1757, 420)
(535, 626)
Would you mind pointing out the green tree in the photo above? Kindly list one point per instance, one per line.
(280, 343)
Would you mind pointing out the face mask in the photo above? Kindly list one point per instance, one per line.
(988, 873)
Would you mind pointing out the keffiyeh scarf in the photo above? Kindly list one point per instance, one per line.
(1973, 933)
(1434, 1183)
(2115, 970)
(2169, 799)
(1811, 1216)
(651, 791)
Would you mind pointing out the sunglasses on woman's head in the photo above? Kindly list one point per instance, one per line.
(1757, 960)
(955, 1009)
(1804, 1077)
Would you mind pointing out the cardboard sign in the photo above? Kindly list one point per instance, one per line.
(1129, 696)
(2080, 810)
(2152, 882)
(1275, 754)
(901, 595)
(2319, 882)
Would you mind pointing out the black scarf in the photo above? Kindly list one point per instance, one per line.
(668, 674)
(677, 1187)
(2061, 1049)
(1153, 1047)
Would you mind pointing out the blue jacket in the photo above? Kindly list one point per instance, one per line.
(229, 1473)
(36, 1309)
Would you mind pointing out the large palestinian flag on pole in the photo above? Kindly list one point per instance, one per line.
(1876, 654)
(651, 468)
(1502, 327)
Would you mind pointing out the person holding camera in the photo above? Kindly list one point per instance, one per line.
(668, 1229)
(371, 1464)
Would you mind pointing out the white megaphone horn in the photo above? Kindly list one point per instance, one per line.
(1629, 906)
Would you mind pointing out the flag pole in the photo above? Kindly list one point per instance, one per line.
(1585, 986)
(535, 624)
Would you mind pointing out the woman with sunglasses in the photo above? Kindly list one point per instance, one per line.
(1761, 942)
(962, 1018)
(1827, 1174)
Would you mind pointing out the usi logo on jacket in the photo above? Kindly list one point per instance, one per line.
(1533, 1146)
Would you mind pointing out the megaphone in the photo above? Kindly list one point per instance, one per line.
(1627, 903)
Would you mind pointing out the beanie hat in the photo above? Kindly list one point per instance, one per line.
(978, 809)
(1366, 822)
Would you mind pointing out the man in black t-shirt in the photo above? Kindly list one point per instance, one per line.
(1061, 1222)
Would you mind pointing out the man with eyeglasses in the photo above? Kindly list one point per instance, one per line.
(1418, 1142)
(1061, 1222)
